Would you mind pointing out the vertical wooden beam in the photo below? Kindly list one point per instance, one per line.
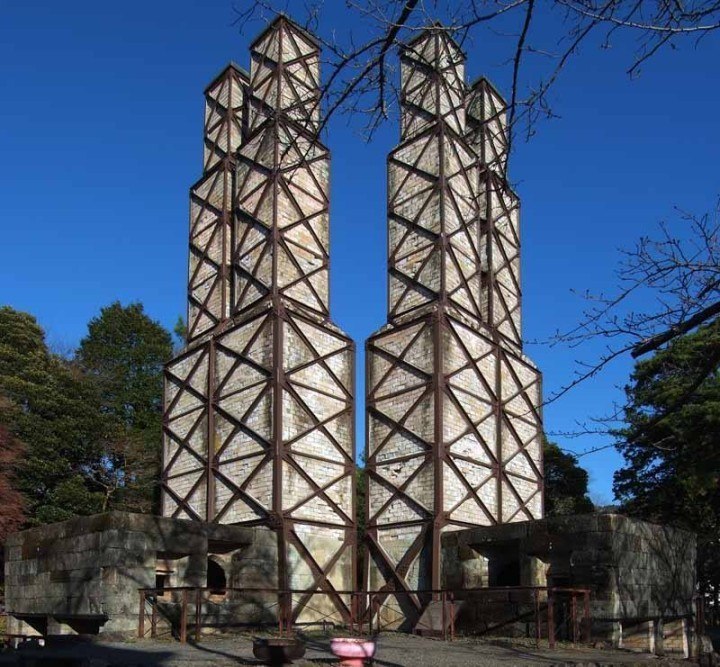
(210, 436)
(183, 617)
(141, 615)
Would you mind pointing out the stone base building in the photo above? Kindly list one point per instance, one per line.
(641, 578)
(82, 576)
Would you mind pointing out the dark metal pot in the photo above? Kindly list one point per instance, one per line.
(278, 651)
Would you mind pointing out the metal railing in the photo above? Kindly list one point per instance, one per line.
(562, 612)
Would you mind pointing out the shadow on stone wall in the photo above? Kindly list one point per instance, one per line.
(85, 574)
(655, 573)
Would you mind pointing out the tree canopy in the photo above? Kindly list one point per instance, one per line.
(670, 444)
(48, 407)
(13, 504)
(80, 435)
(123, 357)
(566, 483)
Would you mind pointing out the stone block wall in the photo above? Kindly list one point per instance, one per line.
(641, 576)
(83, 575)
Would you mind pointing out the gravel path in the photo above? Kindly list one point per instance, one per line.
(393, 651)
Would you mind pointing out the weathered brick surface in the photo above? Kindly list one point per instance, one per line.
(211, 201)
(453, 405)
(259, 406)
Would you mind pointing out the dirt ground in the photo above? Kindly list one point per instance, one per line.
(393, 651)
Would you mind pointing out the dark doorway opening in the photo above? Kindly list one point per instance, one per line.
(504, 570)
(216, 579)
(162, 582)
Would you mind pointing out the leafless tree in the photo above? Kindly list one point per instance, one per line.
(666, 287)
(360, 61)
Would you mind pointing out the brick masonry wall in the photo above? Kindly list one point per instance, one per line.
(259, 407)
(211, 202)
(454, 420)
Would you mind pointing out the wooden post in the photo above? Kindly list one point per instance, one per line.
(153, 619)
(573, 615)
(141, 616)
(198, 612)
(183, 617)
(536, 599)
(443, 601)
(452, 617)
(551, 619)
(588, 624)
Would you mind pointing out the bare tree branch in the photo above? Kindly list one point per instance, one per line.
(678, 275)
(361, 57)
(678, 329)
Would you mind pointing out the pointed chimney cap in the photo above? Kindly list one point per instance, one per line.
(434, 28)
(244, 74)
(483, 79)
(284, 18)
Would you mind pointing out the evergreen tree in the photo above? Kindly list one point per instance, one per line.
(47, 406)
(123, 354)
(566, 483)
(180, 332)
(670, 445)
(12, 515)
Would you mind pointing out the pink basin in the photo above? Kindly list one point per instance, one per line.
(351, 651)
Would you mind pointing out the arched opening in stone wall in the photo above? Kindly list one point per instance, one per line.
(216, 578)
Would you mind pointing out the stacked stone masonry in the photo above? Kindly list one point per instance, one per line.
(259, 407)
(83, 575)
(641, 576)
(453, 405)
(258, 454)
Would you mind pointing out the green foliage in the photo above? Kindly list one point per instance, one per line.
(360, 495)
(47, 406)
(91, 427)
(123, 356)
(670, 444)
(180, 330)
(125, 351)
(566, 483)
(12, 515)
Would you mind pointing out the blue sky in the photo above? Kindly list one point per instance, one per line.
(100, 138)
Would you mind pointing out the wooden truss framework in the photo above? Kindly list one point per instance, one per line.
(453, 413)
(211, 203)
(259, 408)
(486, 128)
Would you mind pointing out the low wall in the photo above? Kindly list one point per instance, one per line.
(641, 575)
(83, 575)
